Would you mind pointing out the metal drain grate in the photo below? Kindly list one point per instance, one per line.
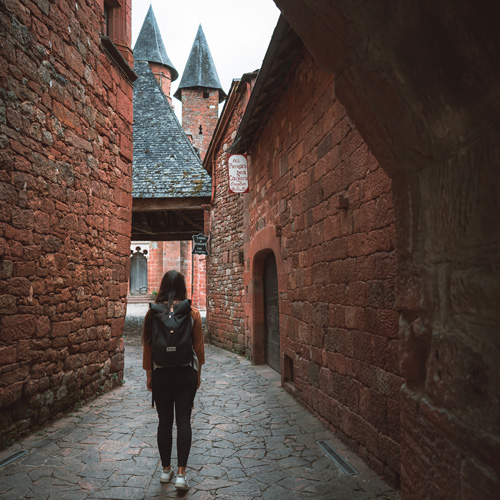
(339, 461)
(14, 456)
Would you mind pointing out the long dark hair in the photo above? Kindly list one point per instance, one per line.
(172, 288)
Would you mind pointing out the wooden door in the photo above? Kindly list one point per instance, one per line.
(271, 313)
(138, 274)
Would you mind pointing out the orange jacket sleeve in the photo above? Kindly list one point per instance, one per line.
(198, 341)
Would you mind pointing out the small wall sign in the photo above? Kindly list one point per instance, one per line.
(200, 244)
(238, 174)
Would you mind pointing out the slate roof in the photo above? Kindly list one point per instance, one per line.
(165, 163)
(149, 45)
(200, 68)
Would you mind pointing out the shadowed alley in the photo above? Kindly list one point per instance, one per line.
(250, 440)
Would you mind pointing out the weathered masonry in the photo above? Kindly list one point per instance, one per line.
(65, 203)
(165, 255)
(200, 92)
(171, 190)
(301, 271)
(419, 80)
(225, 314)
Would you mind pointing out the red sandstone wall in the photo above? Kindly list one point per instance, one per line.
(199, 292)
(185, 264)
(155, 266)
(166, 255)
(436, 135)
(164, 78)
(314, 180)
(225, 314)
(163, 256)
(65, 210)
(199, 111)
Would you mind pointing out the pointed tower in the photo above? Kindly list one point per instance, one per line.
(200, 92)
(149, 48)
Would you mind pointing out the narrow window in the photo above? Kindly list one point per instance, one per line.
(107, 18)
(112, 22)
(201, 130)
(206, 94)
(289, 376)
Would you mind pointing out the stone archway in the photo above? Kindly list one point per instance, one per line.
(264, 244)
(258, 330)
(138, 272)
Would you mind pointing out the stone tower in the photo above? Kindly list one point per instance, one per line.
(200, 92)
(149, 48)
(170, 185)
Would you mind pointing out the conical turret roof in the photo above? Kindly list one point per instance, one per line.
(149, 45)
(165, 163)
(200, 68)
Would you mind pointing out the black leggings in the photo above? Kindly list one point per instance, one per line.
(174, 387)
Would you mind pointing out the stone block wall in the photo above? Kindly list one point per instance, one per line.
(200, 110)
(436, 136)
(185, 266)
(164, 77)
(320, 201)
(225, 263)
(167, 255)
(65, 210)
(199, 280)
(155, 265)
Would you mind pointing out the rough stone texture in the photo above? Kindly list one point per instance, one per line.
(320, 202)
(251, 440)
(225, 266)
(198, 281)
(420, 82)
(167, 255)
(165, 163)
(200, 110)
(164, 78)
(200, 92)
(65, 210)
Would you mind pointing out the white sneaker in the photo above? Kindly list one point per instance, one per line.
(181, 483)
(166, 475)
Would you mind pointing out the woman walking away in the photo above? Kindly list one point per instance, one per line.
(173, 370)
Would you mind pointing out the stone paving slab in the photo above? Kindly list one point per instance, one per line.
(251, 440)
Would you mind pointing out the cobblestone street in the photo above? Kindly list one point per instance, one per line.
(250, 440)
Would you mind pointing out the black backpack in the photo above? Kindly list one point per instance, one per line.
(171, 336)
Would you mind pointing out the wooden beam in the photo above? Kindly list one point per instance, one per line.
(174, 236)
(139, 228)
(168, 204)
(152, 232)
(167, 218)
(185, 217)
(164, 217)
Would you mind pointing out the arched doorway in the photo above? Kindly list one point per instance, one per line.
(138, 272)
(271, 313)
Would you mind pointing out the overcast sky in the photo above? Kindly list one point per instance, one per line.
(238, 32)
